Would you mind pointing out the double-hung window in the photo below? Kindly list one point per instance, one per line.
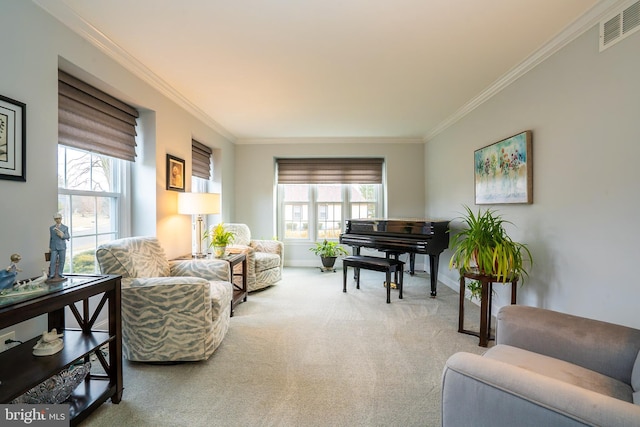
(316, 196)
(90, 197)
(201, 162)
(96, 144)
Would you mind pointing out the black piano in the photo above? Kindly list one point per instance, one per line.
(399, 236)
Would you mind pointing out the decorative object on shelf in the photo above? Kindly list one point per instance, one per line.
(24, 287)
(9, 274)
(504, 171)
(485, 245)
(199, 204)
(328, 252)
(13, 139)
(56, 389)
(50, 343)
(58, 236)
(175, 173)
(219, 238)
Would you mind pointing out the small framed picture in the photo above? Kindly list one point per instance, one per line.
(13, 140)
(175, 173)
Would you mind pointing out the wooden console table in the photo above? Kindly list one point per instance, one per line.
(20, 370)
(485, 303)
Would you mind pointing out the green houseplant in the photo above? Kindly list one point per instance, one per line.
(328, 252)
(485, 245)
(219, 238)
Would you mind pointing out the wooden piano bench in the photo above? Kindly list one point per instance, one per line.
(387, 265)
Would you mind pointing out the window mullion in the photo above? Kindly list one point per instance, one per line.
(313, 214)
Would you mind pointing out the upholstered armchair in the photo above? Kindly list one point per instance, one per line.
(265, 258)
(171, 310)
(546, 369)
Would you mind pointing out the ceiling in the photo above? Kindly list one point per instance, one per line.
(308, 69)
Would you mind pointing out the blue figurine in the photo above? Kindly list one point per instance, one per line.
(59, 234)
(8, 275)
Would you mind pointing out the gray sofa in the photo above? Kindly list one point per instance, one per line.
(546, 369)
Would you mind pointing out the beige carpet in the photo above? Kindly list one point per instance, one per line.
(303, 353)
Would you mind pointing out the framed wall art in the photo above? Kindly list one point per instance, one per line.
(175, 173)
(504, 171)
(13, 139)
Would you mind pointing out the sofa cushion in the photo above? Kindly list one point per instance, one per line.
(561, 370)
(266, 261)
(242, 233)
(133, 257)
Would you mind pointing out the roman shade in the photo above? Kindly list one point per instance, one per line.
(91, 120)
(200, 160)
(330, 171)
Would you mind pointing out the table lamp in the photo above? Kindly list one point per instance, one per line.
(198, 204)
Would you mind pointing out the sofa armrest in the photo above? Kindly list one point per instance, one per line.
(600, 346)
(271, 246)
(478, 391)
(209, 269)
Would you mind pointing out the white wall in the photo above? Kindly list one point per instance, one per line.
(35, 46)
(255, 182)
(583, 107)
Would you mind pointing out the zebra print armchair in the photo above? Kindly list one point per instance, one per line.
(171, 310)
(265, 258)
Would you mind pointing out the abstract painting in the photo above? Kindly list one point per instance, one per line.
(504, 171)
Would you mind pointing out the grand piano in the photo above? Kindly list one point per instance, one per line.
(399, 236)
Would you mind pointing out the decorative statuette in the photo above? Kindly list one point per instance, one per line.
(50, 343)
(58, 236)
(8, 275)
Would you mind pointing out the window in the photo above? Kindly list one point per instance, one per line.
(328, 202)
(89, 199)
(316, 196)
(96, 143)
(295, 210)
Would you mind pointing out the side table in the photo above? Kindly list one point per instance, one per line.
(485, 303)
(239, 289)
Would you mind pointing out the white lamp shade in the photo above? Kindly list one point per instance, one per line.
(198, 203)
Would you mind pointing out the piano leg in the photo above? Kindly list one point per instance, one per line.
(355, 250)
(433, 266)
(412, 263)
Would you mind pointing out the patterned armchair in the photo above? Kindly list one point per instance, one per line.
(265, 258)
(171, 310)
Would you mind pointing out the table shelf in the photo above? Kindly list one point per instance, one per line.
(484, 334)
(20, 370)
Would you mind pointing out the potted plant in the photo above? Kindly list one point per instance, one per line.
(485, 245)
(328, 252)
(219, 238)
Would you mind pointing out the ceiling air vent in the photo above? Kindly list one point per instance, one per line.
(621, 25)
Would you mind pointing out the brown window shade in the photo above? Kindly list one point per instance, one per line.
(92, 120)
(200, 160)
(330, 171)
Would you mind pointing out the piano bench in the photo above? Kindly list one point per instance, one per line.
(386, 265)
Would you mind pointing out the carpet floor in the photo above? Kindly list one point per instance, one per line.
(303, 353)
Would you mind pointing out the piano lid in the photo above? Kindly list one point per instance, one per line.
(396, 226)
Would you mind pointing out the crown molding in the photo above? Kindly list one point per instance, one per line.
(566, 36)
(328, 140)
(77, 24)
